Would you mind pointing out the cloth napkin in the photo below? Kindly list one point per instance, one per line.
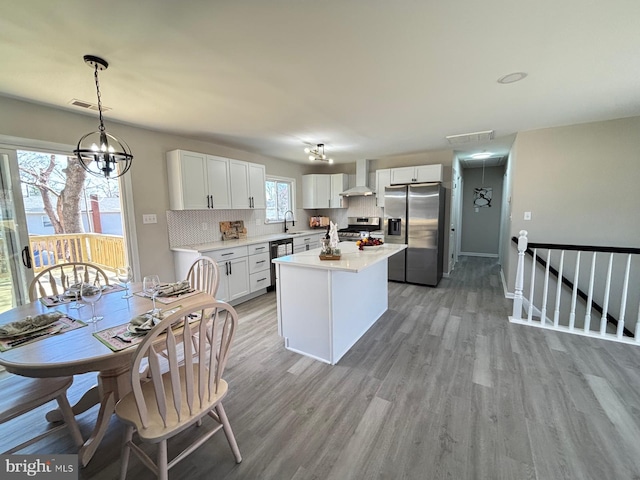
(29, 323)
(145, 322)
(173, 289)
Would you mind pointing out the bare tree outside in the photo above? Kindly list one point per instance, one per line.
(60, 181)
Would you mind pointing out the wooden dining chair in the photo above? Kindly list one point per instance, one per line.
(204, 275)
(57, 279)
(21, 395)
(163, 404)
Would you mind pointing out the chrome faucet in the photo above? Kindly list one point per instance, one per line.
(293, 222)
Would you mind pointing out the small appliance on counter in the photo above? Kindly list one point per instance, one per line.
(360, 227)
(318, 222)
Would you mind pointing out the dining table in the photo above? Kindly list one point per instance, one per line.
(76, 351)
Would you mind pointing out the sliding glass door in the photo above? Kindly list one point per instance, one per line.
(15, 258)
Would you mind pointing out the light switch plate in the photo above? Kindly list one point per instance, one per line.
(149, 218)
(527, 215)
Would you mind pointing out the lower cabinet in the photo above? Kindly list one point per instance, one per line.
(259, 267)
(303, 243)
(243, 270)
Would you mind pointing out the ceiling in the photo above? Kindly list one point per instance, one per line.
(368, 78)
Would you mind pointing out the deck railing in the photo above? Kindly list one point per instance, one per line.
(588, 290)
(106, 251)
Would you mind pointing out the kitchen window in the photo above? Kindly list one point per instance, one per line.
(280, 193)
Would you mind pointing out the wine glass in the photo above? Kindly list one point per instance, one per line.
(75, 289)
(150, 285)
(91, 293)
(125, 275)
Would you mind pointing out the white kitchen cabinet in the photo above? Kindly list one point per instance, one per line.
(197, 181)
(259, 267)
(383, 179)
(233, 264)
(316, 191)
(302, 243)
(323, 191)
(339, 183)
(247, 184)
(417, 174)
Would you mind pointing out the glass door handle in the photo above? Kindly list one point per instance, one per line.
(26, 257)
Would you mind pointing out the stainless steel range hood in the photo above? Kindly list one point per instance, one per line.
(362, 177)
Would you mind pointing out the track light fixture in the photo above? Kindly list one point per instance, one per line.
(317, 153)
(100, 153)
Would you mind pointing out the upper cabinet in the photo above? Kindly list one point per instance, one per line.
(323, 191)
(383, 179)
(339, 183)
(247, 184)
(199, 181)
(417, 174)
(316, 191)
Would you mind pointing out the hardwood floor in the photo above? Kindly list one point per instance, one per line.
(442, 386)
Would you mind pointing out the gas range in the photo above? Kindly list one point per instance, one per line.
(359, 226)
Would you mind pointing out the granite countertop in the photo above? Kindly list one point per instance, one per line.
(241, 242)
(353, 259)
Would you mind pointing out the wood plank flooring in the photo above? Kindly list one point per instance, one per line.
(441, 387)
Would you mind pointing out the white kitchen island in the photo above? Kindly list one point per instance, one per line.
(325, 306)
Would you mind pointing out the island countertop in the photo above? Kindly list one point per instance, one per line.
(353, 259)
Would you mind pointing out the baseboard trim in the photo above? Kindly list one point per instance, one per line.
(474, 254)
(507, 293)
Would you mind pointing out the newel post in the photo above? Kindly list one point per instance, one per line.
(517, 297)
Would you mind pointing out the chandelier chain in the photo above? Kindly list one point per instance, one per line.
(95, 74)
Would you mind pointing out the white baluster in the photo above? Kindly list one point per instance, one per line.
(587, 316)
(623, 301)
(574, 294)
(545, 292)
(531, 290)
(517, 297)
(556, 312)
(636, 334)
(607, 289)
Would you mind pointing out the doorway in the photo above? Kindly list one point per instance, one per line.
(53, 212)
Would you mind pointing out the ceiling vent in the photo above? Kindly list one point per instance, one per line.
(88, 105)
(470, 137)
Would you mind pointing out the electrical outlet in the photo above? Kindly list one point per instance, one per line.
(204, 225)
(258, 222)
(149, 218)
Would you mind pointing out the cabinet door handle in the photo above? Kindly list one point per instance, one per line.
(212, 201)
(261, 261)
(208, 201)
(260, 248)
(261, 280)
(225, 254)
(230, 272)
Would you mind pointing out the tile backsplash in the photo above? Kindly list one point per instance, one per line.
(186, 226)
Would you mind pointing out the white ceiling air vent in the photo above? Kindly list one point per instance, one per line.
(484, 136)
(88, 105)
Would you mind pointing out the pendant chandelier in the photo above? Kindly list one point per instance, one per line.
(100, 153)
(318, 153)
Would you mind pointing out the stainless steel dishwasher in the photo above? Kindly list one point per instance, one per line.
(279, 248)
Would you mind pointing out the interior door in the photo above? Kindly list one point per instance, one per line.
(15, 260)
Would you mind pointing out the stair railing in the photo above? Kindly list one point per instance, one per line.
(553, 274)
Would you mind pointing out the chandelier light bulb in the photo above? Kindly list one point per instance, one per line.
(312, 158)
(331, 160)
(307, 150)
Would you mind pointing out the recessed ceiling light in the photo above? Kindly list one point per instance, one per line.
(481, 156)
(512, 77)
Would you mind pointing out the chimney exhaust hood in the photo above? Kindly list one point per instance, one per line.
(362, 177)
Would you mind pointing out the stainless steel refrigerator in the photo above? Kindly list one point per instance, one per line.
(414, 214)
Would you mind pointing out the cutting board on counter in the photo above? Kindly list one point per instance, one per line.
(233, 230)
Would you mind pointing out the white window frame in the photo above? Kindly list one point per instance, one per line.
(292, 182)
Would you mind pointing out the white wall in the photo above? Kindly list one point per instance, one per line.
(581, 183)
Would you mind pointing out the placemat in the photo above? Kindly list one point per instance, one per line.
(168, 300)
(66, 324)
(55, 300)
(119, 338)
